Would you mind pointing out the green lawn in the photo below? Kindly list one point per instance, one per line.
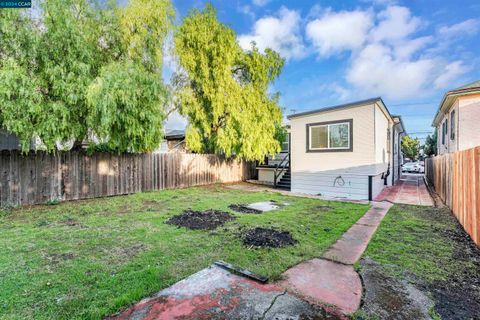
(428, 248)
(90, 258)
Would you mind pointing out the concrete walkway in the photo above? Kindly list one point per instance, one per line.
(305, 291)
(332, 280)
(410, 189)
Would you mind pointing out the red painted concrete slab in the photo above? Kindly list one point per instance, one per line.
(410, 189)
(325, 282)
(350, 247)
(214, 293)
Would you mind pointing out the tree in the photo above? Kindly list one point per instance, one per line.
(76, 78)
(410, 147)
(224, 90)
(430, 147)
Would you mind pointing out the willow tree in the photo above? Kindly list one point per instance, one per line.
(224, 90)
(87, 69)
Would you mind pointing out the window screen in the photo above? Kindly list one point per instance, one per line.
(319, 137)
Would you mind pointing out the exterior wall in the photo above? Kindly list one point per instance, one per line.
(378, 184)
(381, 126)
(328, 185)
(450, 145)
(469, 122)
(363, 152)
(312, 171)
(266, 175)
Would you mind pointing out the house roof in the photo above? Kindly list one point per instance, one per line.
(396, 116)
(340, 106)
(449, 97)
(174, 134)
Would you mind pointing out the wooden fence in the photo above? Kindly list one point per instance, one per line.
(40, 177)
(456, 178)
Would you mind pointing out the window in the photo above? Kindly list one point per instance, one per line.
(452, 125)
(444, 133)
(286, 144)
(329, 136)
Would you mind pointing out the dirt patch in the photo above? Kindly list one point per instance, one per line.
(387, 297)
(241, 208)
(325, 208)
(69, 222)
(458, 297)
(57, 258)
(268, 238)
(201, 220)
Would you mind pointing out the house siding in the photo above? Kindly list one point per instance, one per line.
(469, 118)
(467, 130)
(319, 172)
(363, 141)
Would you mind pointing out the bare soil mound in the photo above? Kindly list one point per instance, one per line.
(201, 220)
(268, 238)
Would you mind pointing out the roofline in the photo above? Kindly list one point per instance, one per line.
(401, 122)
(452, 93)
(339, 107)
(175, 136)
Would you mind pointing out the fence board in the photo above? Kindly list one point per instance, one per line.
(39, 177)
(456, 179)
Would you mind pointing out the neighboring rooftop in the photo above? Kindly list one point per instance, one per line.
(174, 134)
(474, 85)
(448, 98)
(340, 106)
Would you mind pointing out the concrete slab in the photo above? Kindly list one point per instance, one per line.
(263, 206)
(410, 189)
(350, 247)
(215, 293)
(325, 282)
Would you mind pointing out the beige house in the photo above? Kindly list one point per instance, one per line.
(347, 151)
(458, 119)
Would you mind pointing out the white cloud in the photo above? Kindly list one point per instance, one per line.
(395, 23)
(376, 71)
(280, 33)
(468, 27)
(260, 3)
(335, 32)
(246, 10)
(449, 73)
(405, 49)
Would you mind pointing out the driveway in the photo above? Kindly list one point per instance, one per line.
(410, 189)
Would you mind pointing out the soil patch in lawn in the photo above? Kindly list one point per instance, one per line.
(386, 295)
(458, 297)
(268, 238)
(241, 208)
(201, 220)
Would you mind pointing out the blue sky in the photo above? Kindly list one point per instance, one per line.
(407, 52)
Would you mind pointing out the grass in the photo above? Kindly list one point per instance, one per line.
(90, 258)
(412, 240)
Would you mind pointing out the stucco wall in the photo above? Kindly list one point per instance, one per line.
(381, 126)
(469, 121)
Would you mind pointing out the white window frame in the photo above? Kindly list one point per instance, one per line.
(328, 136)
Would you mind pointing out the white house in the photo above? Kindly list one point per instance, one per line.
(457, 119)
(346, 151)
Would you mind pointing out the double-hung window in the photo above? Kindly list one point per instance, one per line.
(329, 136)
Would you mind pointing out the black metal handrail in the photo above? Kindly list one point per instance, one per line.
(280, 167)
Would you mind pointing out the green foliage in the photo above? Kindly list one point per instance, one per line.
(224, 93)
(430, 147)
(127, 119)
(410, 147)
(53, 73)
